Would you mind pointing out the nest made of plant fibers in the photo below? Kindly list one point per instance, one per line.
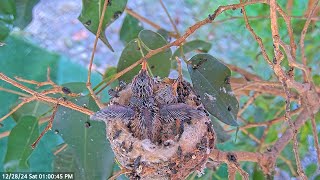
(174, 158)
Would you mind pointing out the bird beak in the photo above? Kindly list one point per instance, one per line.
(98, 116)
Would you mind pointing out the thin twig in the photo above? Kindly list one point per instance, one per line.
(287, 20)
(267, 123)
(64, 146)
(291, 60)
(278, 58)
(262, 17)
(13, 92)
(253, 137)
(55, 88)
(263, 138)
(41, 121)
(315, 136)
(275, 31)
(4, 134)
(258, 83)
(171, 21)
(117, 174)
(245, 73)
(88, 84)
(303, 34)
(48, 127)
(179, 67)
(38, 84)
(289, 163)
(231, 172)
(39, 96)
(180, 40)
(143, 19)
(265, 160)
(23, 102)
(256, 37)
(246, 105)
(289, 6)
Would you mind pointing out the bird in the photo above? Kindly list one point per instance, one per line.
(150, 114)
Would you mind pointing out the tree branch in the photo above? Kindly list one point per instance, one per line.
(40, 96)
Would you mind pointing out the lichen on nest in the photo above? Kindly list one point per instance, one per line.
(158, 129)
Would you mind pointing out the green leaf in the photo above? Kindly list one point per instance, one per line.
(129, 55)
(210, 80)
(305, 132)
(66, 161)
(15, 13)
(222, 135)
(165, 34)
(110, 71)
(93, 153)
(193, 45)
(35, 108)
(24, 12)
(159, 63)
(130, 29)
(91, 12)
(152, 40)
(20, 58)
(24, 59)
(317, 177)
(42, 156)
(19, 144)
(311, 169)
(316, 79)
(108, 74)
(7, 15)
(258, 174)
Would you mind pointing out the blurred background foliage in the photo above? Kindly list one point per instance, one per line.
(30, 43)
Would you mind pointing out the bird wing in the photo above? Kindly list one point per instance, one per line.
(114, 112)
(180, 111)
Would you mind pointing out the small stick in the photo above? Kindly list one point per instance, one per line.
(39, 84)
(60, 149)
(48, 127)
(179, 67)
(144, 65)
(250, 100)
(171, 21)
(289, 163)
(180, 40)
(304, 31)
(4, 134)
(42, 97)
(23, 102)
(143, 19)
(88, 84)
(315, 136)
(117, 174)
(13, 92)
(180, 77)
(303, 34)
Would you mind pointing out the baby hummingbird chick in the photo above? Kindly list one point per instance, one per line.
(151, 115)
(156, 128)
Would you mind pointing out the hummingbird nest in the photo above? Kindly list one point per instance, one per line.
(158, 129)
